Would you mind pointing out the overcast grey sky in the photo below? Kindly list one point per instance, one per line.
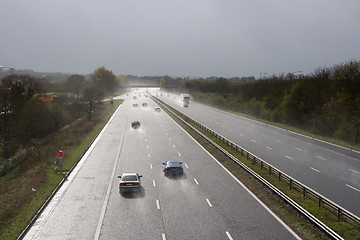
(179, 37)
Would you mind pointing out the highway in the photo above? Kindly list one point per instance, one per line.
(332, 171)
(207, 202)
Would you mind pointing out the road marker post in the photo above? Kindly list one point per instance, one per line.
(61, 161)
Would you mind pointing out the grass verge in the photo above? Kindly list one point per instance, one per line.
(290, 128)
(290, 216)
(26, 194)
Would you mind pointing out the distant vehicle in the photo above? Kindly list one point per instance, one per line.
(185, 98)
(173, 167)
(135, 124)
(135, 105)
(130, 182)
(157, 109)
(144, 104)
(134, 97)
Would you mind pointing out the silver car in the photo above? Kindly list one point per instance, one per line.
(130, 182)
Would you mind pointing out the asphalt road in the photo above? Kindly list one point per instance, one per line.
(330, 170)
(205, 203)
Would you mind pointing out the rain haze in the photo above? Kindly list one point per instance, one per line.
(199, 38)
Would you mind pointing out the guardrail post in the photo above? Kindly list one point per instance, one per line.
(236, 148)
(320, 200)
(291, 183)
(339, 213)
(247, 156)
(279, 176)
(270, 170)
(261, 164)
(254, 160)
(242, 152)
(304, 191)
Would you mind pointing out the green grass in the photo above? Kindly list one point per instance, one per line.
(290, 128)
(15, 226)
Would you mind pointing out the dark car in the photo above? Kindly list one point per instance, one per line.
(144, 104)
(157, 109)
(130, 182)
(173, 167)
(135, 124)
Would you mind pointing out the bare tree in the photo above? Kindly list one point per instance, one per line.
(92, 96)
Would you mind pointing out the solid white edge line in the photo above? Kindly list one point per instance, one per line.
(228, 235)
(208, 201)
(103, 211)
(238, 181)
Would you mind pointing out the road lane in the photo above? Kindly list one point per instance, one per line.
(205, 203)
(291, 153)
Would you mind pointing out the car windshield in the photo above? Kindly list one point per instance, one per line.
(129, 178)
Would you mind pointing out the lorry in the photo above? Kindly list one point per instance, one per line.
(185, 98)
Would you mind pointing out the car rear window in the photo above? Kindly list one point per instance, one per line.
(129, 178)
(173, 164)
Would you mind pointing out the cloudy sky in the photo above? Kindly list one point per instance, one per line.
(179, 37)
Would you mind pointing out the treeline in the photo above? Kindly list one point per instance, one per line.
(325, 103)
(26, 118)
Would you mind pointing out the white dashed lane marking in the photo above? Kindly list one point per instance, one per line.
(208, 202)
(269, 148)
(288, 157)
(321, 158)
(196, 181)
(314, 169)
(354, 171)
(157, 204)
(354, 188)
(228, 235)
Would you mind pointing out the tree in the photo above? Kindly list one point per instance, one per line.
(92, 96)
(105, 80)
(74, 83)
